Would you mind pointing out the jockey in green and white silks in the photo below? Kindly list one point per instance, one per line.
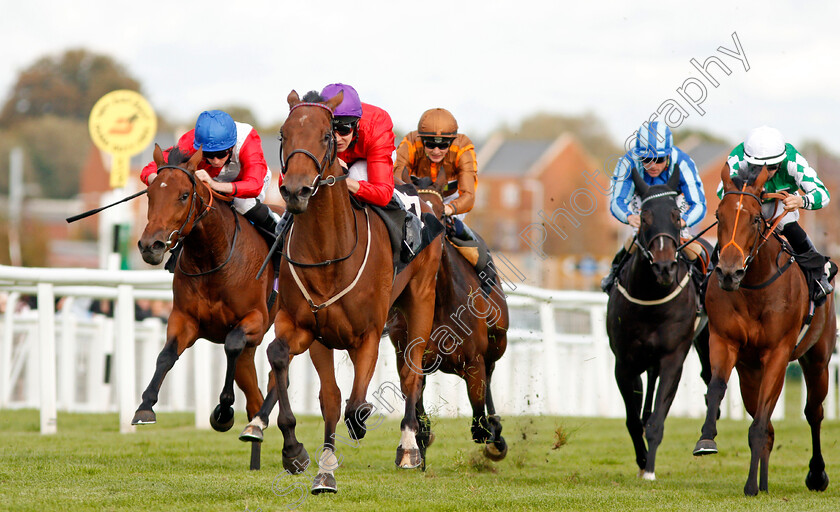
(789, 172)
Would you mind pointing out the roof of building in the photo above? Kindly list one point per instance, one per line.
(514, 157)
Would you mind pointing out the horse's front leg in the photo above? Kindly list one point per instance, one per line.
(253, 431)
(630, 387)
(364, 359)
(330, 398)
(247, 331)
(669, 379)
(723, 353)
(181, 333)
(295, 457)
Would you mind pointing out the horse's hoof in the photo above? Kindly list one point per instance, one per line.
(644, 475)
(324, 482)
(144, 417)
(298, 463)
(496, 450)
(252, 434)
(750, 489)
(408, 459)
(220, 419)
(705, 447)
(816, 484)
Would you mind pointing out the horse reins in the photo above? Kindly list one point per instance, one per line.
(765, 233)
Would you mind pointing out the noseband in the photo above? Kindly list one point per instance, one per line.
(322, 164)
(748, 257)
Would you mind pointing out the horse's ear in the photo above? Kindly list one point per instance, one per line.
(728, 184)
(639, 182)
(761, 179)
(440, 181)
(335, 101)
(158, 156)
(192, 163)
(674, 179)
(293, 98)
(406, 176)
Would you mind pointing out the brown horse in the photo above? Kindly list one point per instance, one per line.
(757, 308)
(220, 252)
(341, 261)
(467, 345)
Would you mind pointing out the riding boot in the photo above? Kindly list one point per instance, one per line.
(607, 282)
(173, 259)
(805, 251)
(263, 219)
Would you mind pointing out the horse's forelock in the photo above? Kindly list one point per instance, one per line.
(313, 97)
(176, 157)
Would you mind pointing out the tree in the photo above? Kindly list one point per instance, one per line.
(64, 86)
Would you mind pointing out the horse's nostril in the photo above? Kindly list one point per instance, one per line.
(158, 246)
(739, 274)
(305, 192)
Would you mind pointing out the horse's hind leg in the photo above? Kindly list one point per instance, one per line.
(816, 377)
(246, 379)
(253, 431)
(181, 333)
(295, 458)
(476, 380)
(630, 387)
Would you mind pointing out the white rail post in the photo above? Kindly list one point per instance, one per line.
(124, 355)
(46, 357)
(6, 348)
(551, 362)
(202, 368)
(67, 353)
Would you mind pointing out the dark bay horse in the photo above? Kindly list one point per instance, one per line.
(467, 345)
(651, 317)
(757, 307)
(221, 252)
(340, 259)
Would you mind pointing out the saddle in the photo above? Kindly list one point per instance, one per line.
(408, 232)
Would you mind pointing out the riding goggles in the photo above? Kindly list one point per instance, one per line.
(344, 128)
(437, 144)
(216, 154)
(657, 160)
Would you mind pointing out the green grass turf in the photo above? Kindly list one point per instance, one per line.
(89, 465)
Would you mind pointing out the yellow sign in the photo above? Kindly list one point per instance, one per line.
(123, 124)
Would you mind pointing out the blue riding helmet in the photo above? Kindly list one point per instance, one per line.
(653, 140)
(214, 131)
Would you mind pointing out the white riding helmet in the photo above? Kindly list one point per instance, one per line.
(764, 146)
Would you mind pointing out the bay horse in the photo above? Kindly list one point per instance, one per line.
(651, 315)
(757, 308)
(221, 251)
(341, 261)
(467, 345)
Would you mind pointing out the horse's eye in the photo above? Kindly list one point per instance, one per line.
(326, 138)
(184, 196)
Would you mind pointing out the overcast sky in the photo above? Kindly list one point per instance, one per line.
(489, 62)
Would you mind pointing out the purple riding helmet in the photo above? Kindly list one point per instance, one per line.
(351, 106)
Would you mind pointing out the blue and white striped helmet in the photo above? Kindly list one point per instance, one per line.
(654, 140)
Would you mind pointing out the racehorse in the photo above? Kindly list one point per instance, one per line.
(469, 344)
(341, 261)
(757, 308)
(220, 252)
(651, 317)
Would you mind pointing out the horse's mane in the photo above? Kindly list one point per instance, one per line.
(313, 97)
(746, 174)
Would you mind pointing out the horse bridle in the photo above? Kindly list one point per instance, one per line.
(322, 164)
(644, 247)
(194, 197)
(748, 257)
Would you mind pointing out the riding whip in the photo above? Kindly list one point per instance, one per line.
(97, 210)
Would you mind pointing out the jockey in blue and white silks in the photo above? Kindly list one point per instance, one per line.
(656, 158)
(655, 147)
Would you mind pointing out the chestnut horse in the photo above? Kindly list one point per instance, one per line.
(340, 259)
(651, 317)
(221, 251)
(757, 307)
(469, 344)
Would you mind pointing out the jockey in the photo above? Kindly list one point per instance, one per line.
(766, 147)
(656, 155)
(233, 164)
(435, 147)
(364, 138)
